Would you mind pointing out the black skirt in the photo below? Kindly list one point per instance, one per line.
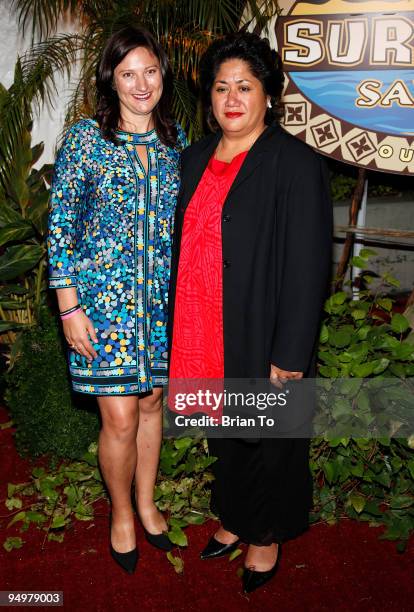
(262, 490)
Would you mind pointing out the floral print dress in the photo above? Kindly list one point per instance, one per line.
(110, 231)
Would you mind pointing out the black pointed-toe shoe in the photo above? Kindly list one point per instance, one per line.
(216, 549)
(252, 580)
(159, 540)
(128, 561)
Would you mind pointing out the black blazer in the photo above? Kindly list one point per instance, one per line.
(276, 242)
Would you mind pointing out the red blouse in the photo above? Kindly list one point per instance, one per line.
(198, 349)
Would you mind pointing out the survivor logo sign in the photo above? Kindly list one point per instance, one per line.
(350, 79)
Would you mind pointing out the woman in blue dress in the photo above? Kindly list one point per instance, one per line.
(112, 205)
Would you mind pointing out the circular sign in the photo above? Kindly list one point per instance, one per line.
(349, 67)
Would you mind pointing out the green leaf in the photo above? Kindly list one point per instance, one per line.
(20, 516)
(58, 522)
(8, 214)
(183, 443)
(329, 471)
(324, 335)
(391, 280)
(358, 502)
(19, 259)
(177, 536)
(362, 370)
(13, 502)
(194, 519)
(380, 365)
(399, 323)
(11, 543)
(14, 232)
(177, 562)
(329, 372)
(55, 537)
(385, 303)
(35, 517)
(236, 553)
(339, 297)
(359, 262)
(340, 338)
(358, 314)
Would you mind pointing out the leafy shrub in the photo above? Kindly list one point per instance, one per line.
(40, 400)
(369, 479)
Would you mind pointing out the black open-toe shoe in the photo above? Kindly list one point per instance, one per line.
(252, 580)
(128, 560)
(216, 549)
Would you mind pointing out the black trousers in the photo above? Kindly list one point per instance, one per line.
(262, 490)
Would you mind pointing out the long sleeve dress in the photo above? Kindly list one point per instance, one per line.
(110, 228)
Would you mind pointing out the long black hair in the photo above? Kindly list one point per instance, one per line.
(108, 111)
(264, 63)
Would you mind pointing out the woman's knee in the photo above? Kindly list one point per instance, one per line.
(151, 403)
(119, 421)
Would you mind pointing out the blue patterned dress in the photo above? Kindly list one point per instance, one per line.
(110, 227)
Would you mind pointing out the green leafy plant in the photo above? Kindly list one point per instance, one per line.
(368, 479)
(23, 225)
(363, 337)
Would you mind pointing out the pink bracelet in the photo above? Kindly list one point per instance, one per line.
(70, 314)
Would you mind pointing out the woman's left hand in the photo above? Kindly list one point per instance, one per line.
(279, 376)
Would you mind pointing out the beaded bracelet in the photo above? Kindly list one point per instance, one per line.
(71, 313)
(71, 309)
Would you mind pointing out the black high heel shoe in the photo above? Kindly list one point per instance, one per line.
(128, 561)
(216, 549)
(252, 580)
(159, 540)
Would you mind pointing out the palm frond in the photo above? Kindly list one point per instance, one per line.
(184, 108)
(42, 16)
(34, 83)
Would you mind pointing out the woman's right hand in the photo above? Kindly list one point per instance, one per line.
(78, 330)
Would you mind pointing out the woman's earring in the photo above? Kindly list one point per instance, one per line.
(269, 104)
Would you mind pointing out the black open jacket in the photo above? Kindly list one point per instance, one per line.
(276, 241)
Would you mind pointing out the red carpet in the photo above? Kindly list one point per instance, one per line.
(342, 567)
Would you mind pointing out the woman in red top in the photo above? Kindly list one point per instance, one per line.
(250, 268)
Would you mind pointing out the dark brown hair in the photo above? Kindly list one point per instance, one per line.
(108, 112)
(264, 63)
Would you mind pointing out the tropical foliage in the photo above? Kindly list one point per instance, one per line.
(23, 223)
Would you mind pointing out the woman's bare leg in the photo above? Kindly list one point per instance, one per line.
(148, 443)
(117, 453)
